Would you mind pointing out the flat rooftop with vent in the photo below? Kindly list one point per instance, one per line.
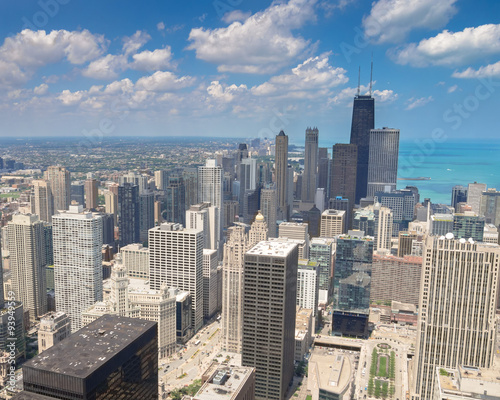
(228, 382)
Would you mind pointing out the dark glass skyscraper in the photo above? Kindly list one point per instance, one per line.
(128, 214)
(458, 195)
(363, 119)
(175, 200)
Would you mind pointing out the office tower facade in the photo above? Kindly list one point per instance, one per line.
(363, 120)
(210, 263)
(269, 316)
(321, 252)
(247, 176)
(128, 214)
(230, 213)
(205, 217)
(190, 176)
(351, 282)
(210, 186)
(341, 203)
(490, 206)
(441, 224)
(310, 175)
(60, 185)
(129, 371)
(111, 205)
(54, 328)
(91, 193)
(402, 204)
(468, 225)
(176, 258)
(251, 204)
(474, 193)
(410, 243)
(332, 223)
(458, 195)
(457, 308)
(308, 285)
(396, 278)
(146, 213)
(26, 238)
(42, 200)
(77, 237)
(175, 200)
(268, 207)
(232, 288)
(296, 231)
(343, 181)
(281, 175)
(161, 179)
(377, 221)
(324, 170)
(135, 259)
(134, 178)
(383, 160)
(78, 192)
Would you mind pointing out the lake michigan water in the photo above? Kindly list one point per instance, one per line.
(448, 164)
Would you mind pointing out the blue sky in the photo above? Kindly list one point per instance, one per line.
(242, 68)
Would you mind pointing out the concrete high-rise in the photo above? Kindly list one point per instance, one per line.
(375, 220)
(344, 172)
(26, 244)
(210, 177)
(490, 206)
(281, 173)
(128, 214)
(458, 293)
(146, 213)
(258, 230)
(363, 120)
(232, 288)
(268, 206)
(205, 217)
(60, 185)
(175, 200)
(176, 258)
(324, 170)
(383, 160)
(77, 237)
(42, 201)
(269, 310)
(91, 193)
(210, 264)
(332, 223)
(474, 193)
(111, 205)
(54, 328)
(310, 175)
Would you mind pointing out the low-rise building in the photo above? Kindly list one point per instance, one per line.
(467, 383)
(54, 327)
(303, 332)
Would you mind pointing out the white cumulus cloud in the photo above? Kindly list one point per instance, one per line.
(420, 102)
(158, 59)
(164, 81)
(491, 70)
(393, 20)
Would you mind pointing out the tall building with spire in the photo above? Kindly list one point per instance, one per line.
(310, 175)
(363, 120)
(281, 168)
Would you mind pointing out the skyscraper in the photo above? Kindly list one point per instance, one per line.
(281, 168)
(176, 258)
(175, 200)
(210, 186)
(258, 231)
(344, 172)
(458, 293)
(332, 223)
(352, 281)
(363, 120)
(77, 237)
(269, 297)
(210, 264)
(146, 213)
(60, 185)
(383, 160)
(26, 238)
(128, 214)
(490, 206)
(111, 204)
(310, 175)
(42, 200)
(474, 193)
(321, 252)
(458, 195)
(324, 170)
(78, 192)
(268, 206)
(205, 217)
(232, 288)
(91, 193)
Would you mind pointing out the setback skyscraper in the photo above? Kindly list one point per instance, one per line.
(310, 175)
(363, 120)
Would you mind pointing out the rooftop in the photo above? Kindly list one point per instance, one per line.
(331, 371)
(272, 248)
(92, 346)
(225, 383)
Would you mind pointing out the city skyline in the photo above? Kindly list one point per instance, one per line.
(164, 73)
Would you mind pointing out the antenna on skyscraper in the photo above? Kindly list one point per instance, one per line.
(359, 78)
(371, 76)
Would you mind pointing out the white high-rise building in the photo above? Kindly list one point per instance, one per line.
(111, 204)
(210, 178)
(458, 293)
(232, 288)
(26, 244)
(176, 259)
(332, 223)
(77, 243)
(383, 160)
(210, 264)
(308, 285)
(474, 193)
(297, 231)
(258, 230)
(205, 217)
(135, 259)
